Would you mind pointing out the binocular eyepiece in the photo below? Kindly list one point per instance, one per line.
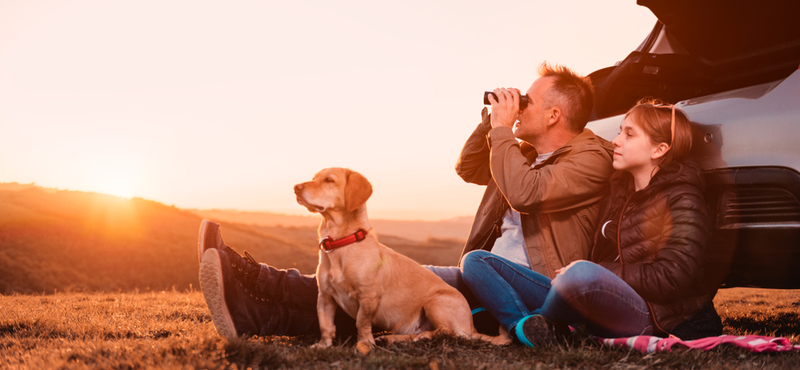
(523, 99)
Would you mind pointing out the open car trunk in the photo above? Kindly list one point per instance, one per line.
(701, 47)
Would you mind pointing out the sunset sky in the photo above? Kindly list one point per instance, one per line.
(228, 104)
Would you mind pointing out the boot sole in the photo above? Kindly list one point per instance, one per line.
(213, 287)
(536, 331)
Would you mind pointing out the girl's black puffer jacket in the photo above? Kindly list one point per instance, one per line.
(655, 239)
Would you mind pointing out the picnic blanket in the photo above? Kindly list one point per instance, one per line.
(650, 344)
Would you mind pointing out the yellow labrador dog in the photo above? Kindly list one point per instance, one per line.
(371, 282)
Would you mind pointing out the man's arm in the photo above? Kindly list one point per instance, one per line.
(473, 162)
(579, 179)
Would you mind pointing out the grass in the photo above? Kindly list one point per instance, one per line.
(172, 330)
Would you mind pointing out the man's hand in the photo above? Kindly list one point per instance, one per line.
(505, 107)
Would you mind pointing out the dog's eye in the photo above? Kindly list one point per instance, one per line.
(328, 179)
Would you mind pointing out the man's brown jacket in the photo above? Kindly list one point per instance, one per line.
(558, 200)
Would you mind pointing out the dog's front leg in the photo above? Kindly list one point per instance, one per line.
(367, 308)
(326, 310)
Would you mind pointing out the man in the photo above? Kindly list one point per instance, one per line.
(542, 194)
(540, 206)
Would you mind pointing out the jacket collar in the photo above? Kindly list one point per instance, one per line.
(685, 171)
(586, 136)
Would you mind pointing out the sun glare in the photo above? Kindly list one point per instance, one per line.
(115, 187)
(114, 179)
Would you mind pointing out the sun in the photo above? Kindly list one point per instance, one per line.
(114, 178)
(116, 186)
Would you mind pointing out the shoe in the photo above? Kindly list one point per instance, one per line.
(212, 284)
(237, 306)
(240, 303)
(208, 237)
(226, 279)
(535, 330)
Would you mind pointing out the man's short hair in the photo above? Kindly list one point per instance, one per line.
(572, 92)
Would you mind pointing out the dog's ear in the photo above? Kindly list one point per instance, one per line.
(356, 191)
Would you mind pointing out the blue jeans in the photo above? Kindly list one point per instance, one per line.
(585, 293)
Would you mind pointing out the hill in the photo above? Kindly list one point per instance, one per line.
(455, 228)
(63, 240)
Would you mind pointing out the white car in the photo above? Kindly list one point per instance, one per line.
(732, 66)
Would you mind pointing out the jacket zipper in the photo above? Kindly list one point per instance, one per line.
(619, 256)
(619, 243)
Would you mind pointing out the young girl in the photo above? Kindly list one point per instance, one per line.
(646, 265)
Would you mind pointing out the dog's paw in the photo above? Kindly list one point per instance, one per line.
(363, 348)
(500, 341)
(503, 338)
(385, 339)
(395, 338)
(321, 345)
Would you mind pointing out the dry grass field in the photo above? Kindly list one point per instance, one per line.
(172, 330)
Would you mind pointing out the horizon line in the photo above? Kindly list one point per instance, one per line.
(375, 214)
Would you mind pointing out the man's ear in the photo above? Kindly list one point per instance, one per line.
(660, 151)
(356, 191)
(555, 116)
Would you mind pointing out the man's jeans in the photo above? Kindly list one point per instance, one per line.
(585, 293)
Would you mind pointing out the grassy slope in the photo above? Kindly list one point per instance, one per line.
(450, 229)
(87, 241)
(67, 240)
(173, 330)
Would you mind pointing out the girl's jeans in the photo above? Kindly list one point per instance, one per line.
(585, 293)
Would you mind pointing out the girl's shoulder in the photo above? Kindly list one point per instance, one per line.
(683, 174)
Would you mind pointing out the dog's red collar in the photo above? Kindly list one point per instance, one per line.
(327, 244)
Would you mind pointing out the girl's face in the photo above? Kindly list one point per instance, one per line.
(633, 150)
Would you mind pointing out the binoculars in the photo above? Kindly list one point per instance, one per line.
(523, 99)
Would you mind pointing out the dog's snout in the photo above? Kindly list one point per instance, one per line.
(298, 188)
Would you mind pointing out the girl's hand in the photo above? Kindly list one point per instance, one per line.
(565, 268)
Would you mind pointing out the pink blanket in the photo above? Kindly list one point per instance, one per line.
(650, 344)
